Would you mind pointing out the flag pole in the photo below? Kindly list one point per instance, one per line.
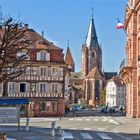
(122, 27)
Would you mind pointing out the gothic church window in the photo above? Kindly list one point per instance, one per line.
(97, 91)
(90, 89)
(92, 54)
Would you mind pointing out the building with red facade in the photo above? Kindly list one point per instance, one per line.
(130, 69)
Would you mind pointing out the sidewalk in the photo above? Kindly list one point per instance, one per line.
(130, 128)
(30, 135)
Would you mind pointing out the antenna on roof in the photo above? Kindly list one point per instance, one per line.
(67, 43)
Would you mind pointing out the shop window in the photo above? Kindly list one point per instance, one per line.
(43, 106)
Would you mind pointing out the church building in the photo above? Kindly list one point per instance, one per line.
(92, 67)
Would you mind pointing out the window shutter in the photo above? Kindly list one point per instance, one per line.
(9, 87)
(48, 56)
(59, 88)
(47, 70)
(28, 87)
(38, 56)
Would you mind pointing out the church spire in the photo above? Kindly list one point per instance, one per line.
(91, 40)
(69, 59)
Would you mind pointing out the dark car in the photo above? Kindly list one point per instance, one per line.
(112, 110)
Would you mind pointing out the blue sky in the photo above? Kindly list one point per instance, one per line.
(63, 20)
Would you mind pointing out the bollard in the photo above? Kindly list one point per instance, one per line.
(53, 124)
(53, 132)
(27, 124)
(53, 128)
(59, 133)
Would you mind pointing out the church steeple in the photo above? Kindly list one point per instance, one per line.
(69, 59)
(91, 40)
(91, 51)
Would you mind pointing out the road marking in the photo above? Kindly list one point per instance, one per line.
(104, 120)
(10, 139)
(87, 128)
(87, 119)
(111, 120)
(96, 119)
(71, 119)
(73, 128)
(79, 119)
(68, 135)
(115, 122)
(86, 136)
(104, 136)
(101, 128)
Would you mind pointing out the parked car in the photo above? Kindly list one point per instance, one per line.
(76, 108)
(112, 110)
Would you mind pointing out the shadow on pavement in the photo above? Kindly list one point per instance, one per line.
(93, 113)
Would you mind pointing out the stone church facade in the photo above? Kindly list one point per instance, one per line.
(92, 67)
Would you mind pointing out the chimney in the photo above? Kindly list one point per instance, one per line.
(42, 34)
(26, 26)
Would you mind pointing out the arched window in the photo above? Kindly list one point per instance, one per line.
(90, 89)
(97, 89)
(92, 54)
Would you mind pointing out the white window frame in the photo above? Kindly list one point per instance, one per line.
(12, 87)
(43, 56)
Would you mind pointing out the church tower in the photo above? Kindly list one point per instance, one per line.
(69, 60)
(91, 51)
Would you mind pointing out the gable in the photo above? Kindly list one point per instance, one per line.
(94, 73)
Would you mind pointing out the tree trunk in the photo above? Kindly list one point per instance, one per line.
(5, 86)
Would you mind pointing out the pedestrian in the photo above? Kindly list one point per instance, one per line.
(121, 109)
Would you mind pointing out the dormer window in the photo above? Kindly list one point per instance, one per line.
(40, 42)
(43, 55)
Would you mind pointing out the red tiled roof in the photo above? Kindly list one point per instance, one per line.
(68, 58)
(34, 36)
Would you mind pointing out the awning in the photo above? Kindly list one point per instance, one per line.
(13, 101)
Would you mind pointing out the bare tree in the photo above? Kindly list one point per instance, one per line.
(14, 40)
